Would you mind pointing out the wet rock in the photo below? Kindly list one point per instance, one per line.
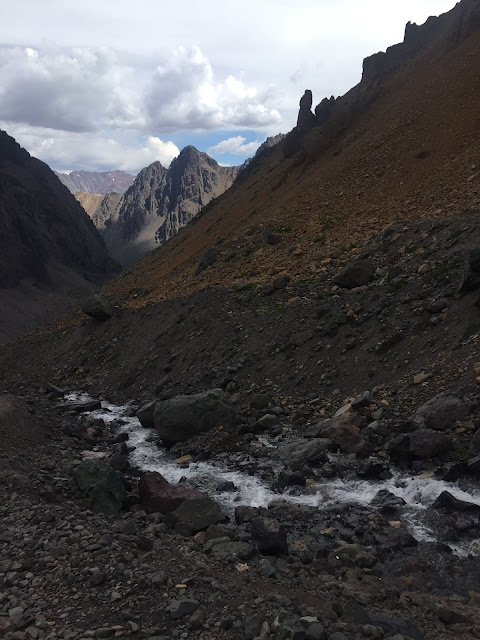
(183, 607)
(157, 495)
(270, 536)
(101, 484)
(243, 514)
(226, 487)
(447, 501)
(473, 466)
(145, 415)
(397, 539)
(355, 274)
(98, 308)
(371, 469)
(387, 502)
(182, 417)
(196, 514)
(80, 407)
(426, 443)
(311, 450)
(441, 412)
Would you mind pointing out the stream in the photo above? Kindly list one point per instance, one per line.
(418, 491)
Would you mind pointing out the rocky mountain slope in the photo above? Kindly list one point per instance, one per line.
(101, 182)
(332, 295)
(51, 251)
(160, 202)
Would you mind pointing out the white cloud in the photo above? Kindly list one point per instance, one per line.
(235, 146)
(70, 90)
(183, 94)
(66, 150)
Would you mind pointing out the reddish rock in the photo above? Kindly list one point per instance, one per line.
(346, 434)
(157, 495)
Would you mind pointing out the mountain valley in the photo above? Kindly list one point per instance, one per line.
(268, 427)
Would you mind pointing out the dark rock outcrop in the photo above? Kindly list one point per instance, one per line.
(355, 274)
(182, 417)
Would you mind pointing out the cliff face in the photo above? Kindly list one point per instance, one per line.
(44, 231)
(160, 202)
(97, 182)
(332, 117)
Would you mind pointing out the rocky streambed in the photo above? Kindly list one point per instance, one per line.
(306, 541)
(244, 479)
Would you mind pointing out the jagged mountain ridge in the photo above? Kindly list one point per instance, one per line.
(101, 182)
(160, 202)
(47, 240)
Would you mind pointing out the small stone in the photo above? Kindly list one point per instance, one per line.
(183, 607)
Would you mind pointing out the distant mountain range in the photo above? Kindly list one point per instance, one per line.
(158, 203)
(97, 182)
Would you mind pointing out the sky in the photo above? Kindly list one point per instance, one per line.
(103, 84)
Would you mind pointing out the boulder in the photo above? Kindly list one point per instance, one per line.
(145, 415)
(441, 412)
(312, 450)
(270, 536)
(196, 514)
(345, 432)
(387, 502)
(207, 260)
(101, 484)
(355, 274)
(446, 501)
(182, 417)
(157, 495)
(426, 443)
(98, 308)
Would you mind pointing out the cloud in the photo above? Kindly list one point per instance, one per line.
(183, 94)
(235, 146)
(66, 150)
(86, 90)
(75, 90)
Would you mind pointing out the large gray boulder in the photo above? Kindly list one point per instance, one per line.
(426, 443)
(304, 451)
(98, 308)
(101, 484)
(182, 417)
(441, 412)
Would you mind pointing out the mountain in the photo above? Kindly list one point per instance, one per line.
(159, 203)
(331, 299)
(97, 182)
(51, 251)
(402, 145)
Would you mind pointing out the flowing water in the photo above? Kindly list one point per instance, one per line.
(419, 492)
